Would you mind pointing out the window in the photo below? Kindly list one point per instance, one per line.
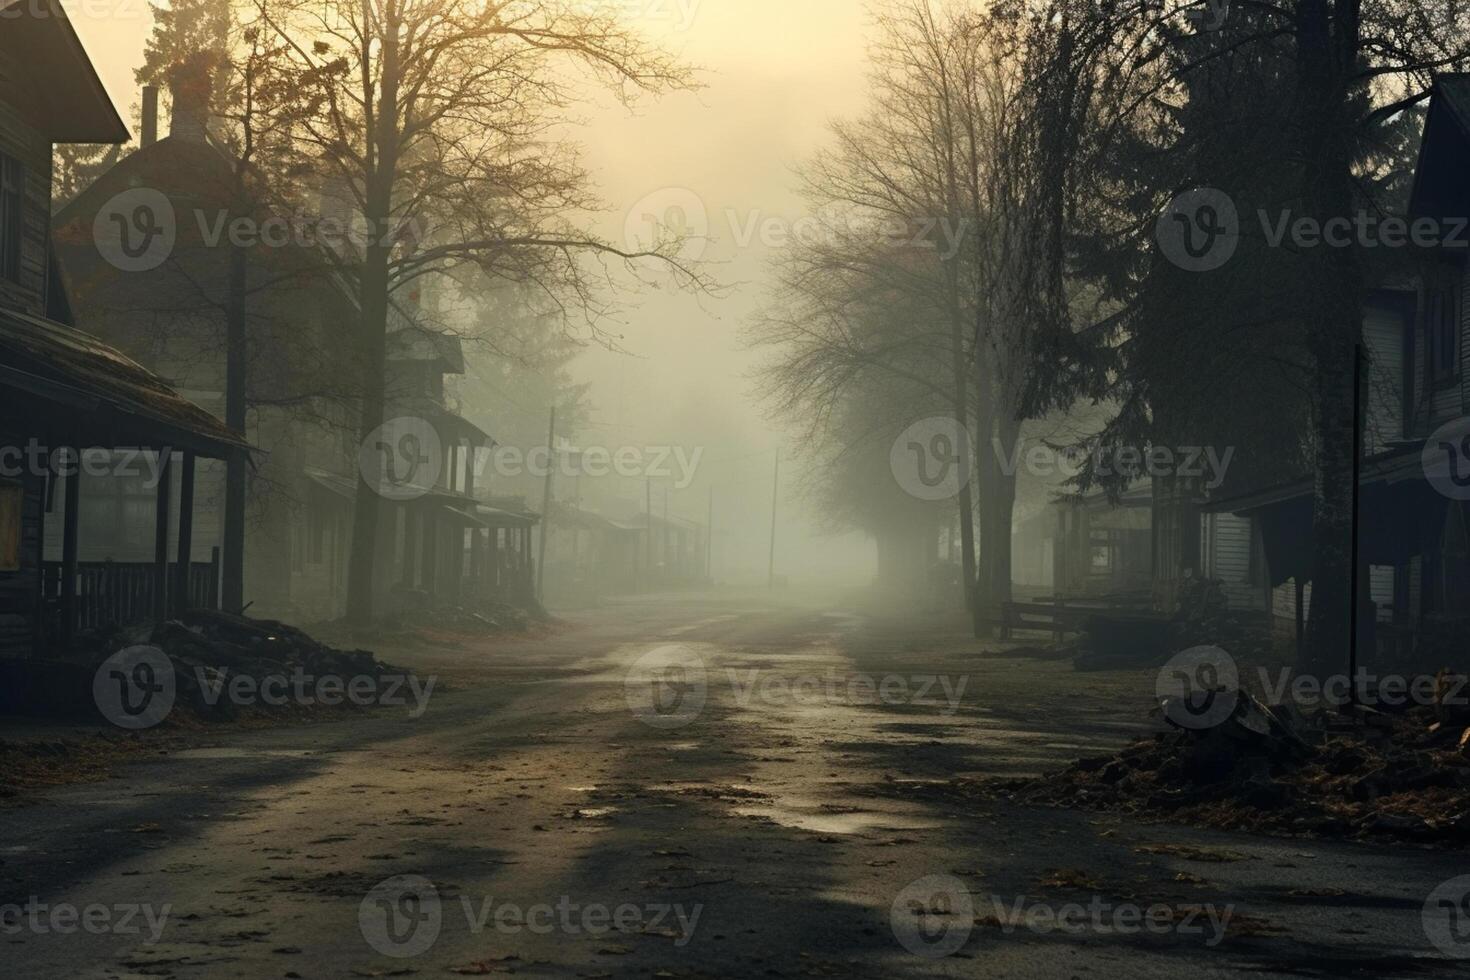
(12, 499)
(118, 513)
(12, 201)
(1442, 331)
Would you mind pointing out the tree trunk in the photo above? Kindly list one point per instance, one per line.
(965, 499)
(1002, 506)
(375, 287)
(1327, 44)
(232, 576)
(363, 558)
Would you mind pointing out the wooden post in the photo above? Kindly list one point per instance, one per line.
(186, 533)
(495, 560)
(475, 559)
(160, 537)
(469, 468)
(69, 521)
(431, 551)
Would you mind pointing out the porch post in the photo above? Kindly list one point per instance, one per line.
(160, 536)
(186, 533)
(69, 520)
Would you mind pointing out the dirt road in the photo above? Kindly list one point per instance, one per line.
(703, 786)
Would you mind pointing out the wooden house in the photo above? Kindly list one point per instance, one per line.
(1414, 562)
(66, 396)
(301, 366)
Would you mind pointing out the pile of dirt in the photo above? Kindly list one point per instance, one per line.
(213, 652)
(1362, 775)
(257, 646)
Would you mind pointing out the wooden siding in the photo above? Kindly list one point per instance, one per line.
(1434, 406)
(23, 141)
(1383, 336)
(1225, 548)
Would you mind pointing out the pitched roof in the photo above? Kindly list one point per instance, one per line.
(69, 103)
(1440, 188)
(64, 366)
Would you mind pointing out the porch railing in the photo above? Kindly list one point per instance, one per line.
(113, 593)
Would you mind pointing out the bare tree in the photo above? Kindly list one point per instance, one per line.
(945, 160)
(434, 119)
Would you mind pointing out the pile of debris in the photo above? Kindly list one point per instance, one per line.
(211, 651)
(1361, 774)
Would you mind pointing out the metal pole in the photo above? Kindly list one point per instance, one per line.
(648, 531)
(1353, 574)
(546, 508)
(775, 492)
(709, 539)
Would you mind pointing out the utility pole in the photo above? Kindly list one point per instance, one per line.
(546, 508)
(775, 493)
(1355, 611)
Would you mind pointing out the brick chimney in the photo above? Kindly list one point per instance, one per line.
(189, 87)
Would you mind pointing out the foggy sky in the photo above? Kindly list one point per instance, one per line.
(776, 73)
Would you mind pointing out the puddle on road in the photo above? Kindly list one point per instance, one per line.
(238, 752)
(595, 812)
(823, 819)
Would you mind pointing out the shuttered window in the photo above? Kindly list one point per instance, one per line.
(12, 200)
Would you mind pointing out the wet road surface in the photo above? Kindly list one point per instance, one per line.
(702, 786)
